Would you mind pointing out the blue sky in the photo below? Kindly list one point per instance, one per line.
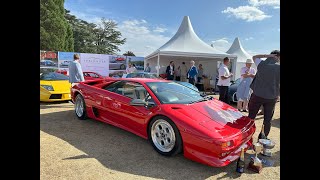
(148, 24)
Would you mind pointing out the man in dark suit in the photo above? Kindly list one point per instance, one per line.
(170, 71)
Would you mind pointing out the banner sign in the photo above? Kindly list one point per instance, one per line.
(98, 63)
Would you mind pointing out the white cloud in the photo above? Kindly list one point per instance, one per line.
(87, 17)
(248, 13)
(274, 3)
(221, 44)
(143, 21)
(159, 30)
(249, 38)
(141, 39)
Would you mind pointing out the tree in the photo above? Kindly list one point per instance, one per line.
(108, 39)
(129, 53)
(55, 32)
(90, 38)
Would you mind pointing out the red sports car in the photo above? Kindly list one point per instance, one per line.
(174, 118)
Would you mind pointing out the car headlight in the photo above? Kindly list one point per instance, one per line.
(48, 87)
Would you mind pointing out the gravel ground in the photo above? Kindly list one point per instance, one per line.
(74, 149)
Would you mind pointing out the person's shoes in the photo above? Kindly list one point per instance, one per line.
(244, 110)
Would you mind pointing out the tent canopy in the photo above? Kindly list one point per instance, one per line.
(184, 46)
(237, 49)
(186, 43)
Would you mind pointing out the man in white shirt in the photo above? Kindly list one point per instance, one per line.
(130, 69)
(224, 80)
(75, 71)
(183, 72)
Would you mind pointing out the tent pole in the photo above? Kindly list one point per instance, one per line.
(158, 64)
(234, 68)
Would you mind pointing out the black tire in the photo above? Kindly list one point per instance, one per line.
(122, 66)
(178, 143)
(79, 99)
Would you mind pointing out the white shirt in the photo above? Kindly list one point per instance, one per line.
(223, 71)
(131, 69)
(171, 70)
(250, 71)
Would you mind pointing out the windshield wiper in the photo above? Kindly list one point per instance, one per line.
(200, 100)
(207, 96)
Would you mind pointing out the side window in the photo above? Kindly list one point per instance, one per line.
(132, 90)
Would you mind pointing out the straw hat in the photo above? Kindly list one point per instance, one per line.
(249, 61)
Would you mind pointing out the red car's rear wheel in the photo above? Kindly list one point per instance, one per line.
(80, 107)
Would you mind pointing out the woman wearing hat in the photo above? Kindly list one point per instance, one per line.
(243, 90)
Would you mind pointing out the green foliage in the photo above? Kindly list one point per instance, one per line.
(129, 53)
(89, 38)
(55, 32)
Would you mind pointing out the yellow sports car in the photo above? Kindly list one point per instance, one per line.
(54, 87)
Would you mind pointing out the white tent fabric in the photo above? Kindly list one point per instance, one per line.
(242, 56)
(184, 46)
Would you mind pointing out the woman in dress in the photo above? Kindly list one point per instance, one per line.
(243, 90)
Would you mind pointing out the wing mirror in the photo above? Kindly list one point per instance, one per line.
(139, 102)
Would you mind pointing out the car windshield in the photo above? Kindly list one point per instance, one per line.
(174, 93)
(52, 76)
(153, 76)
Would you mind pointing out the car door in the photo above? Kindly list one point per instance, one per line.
(132, 118)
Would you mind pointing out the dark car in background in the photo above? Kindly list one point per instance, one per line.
(233, 90)
(47, 63)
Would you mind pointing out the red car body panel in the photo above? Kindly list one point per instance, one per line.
(202, 125)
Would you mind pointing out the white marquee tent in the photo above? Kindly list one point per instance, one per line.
(185, 46)
(242, 56)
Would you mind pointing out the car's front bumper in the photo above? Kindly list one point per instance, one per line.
(52, 96)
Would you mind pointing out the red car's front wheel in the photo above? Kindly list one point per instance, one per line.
(164, 136)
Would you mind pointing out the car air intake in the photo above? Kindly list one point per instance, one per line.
(55, 96)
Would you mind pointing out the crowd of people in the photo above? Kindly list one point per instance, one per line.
(258, 89)
(192, 74)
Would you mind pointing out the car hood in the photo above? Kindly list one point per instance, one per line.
(60, 85)
(217, 117)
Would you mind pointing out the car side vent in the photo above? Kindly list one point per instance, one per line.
(175, 108)
(95, 111)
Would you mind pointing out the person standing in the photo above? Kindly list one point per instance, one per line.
(243, 90)
(265, 87)
(224, 80)
(130, 68)
(170, 71)
(75, 71)
(183, 72)
(192, 73)
(178, 74)
(200, 73)
(147, 69)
